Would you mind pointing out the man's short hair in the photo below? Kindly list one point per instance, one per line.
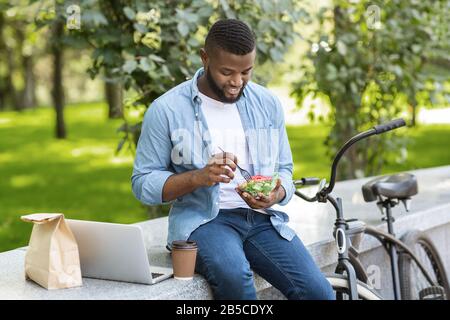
(231, 35)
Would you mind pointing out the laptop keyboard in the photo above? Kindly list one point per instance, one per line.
(156, 275)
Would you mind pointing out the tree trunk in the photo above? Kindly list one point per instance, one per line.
(29, 91)
(20, 39)
(413, 114)
(2, 52)
(8, 95)
(114, 96)
(11, 92)
(58, 89)
(412, 102)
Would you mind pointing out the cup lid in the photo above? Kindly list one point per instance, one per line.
(184, 244)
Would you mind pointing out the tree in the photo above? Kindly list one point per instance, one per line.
(58, 88)
(367, 60)
(29, 88)
(8, 49)
(51, 16)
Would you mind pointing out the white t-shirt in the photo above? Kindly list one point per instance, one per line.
(225, 128)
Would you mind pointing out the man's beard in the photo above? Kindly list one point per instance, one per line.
(220, 92)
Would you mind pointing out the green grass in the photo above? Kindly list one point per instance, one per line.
(308, 150)
(82, 178)
(428, 147)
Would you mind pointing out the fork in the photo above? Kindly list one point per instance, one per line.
(247, 176)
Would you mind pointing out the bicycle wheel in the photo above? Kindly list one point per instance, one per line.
(413, 282)
(339, 283)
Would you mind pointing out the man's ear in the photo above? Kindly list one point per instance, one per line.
(204, 57)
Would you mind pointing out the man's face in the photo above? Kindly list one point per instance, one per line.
(227, 73)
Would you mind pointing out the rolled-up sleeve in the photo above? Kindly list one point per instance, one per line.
(152, 162)
(285, 163)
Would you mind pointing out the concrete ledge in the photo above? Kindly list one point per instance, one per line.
(312, 222)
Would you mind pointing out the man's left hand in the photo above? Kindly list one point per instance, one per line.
(261, 201)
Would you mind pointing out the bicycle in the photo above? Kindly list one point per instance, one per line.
(414, 274)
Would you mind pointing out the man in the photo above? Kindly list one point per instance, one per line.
(179, 160)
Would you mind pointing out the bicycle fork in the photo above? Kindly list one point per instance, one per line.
(343, 244)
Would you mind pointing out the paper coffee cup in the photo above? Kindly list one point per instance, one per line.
(184, 255)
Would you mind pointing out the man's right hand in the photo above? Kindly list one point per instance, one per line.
(217, 170)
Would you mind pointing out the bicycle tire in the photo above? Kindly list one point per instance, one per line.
(339, 284)
(408, 272)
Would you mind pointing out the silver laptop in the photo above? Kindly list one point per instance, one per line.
(115, 251)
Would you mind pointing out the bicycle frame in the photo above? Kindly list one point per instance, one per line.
(343, 244)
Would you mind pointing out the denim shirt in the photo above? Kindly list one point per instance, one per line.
(175, 139)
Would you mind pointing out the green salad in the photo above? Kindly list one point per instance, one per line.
(259, 184)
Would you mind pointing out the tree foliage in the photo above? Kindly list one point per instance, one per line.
(369, 62)
(151, 46)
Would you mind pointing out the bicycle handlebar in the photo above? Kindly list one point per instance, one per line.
(394, 124)
(379, 129)
(307, 181)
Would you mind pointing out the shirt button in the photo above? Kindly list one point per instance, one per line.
(217, 203)
(204, 220)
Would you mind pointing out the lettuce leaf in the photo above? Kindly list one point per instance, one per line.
(257, 186)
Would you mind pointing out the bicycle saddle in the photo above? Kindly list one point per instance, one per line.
(397, 186)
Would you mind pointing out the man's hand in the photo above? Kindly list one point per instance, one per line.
(261, 201)
(218, 166)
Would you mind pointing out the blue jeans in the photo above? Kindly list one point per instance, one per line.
(239, 240)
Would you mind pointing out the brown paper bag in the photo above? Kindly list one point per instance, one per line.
(52, 259)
